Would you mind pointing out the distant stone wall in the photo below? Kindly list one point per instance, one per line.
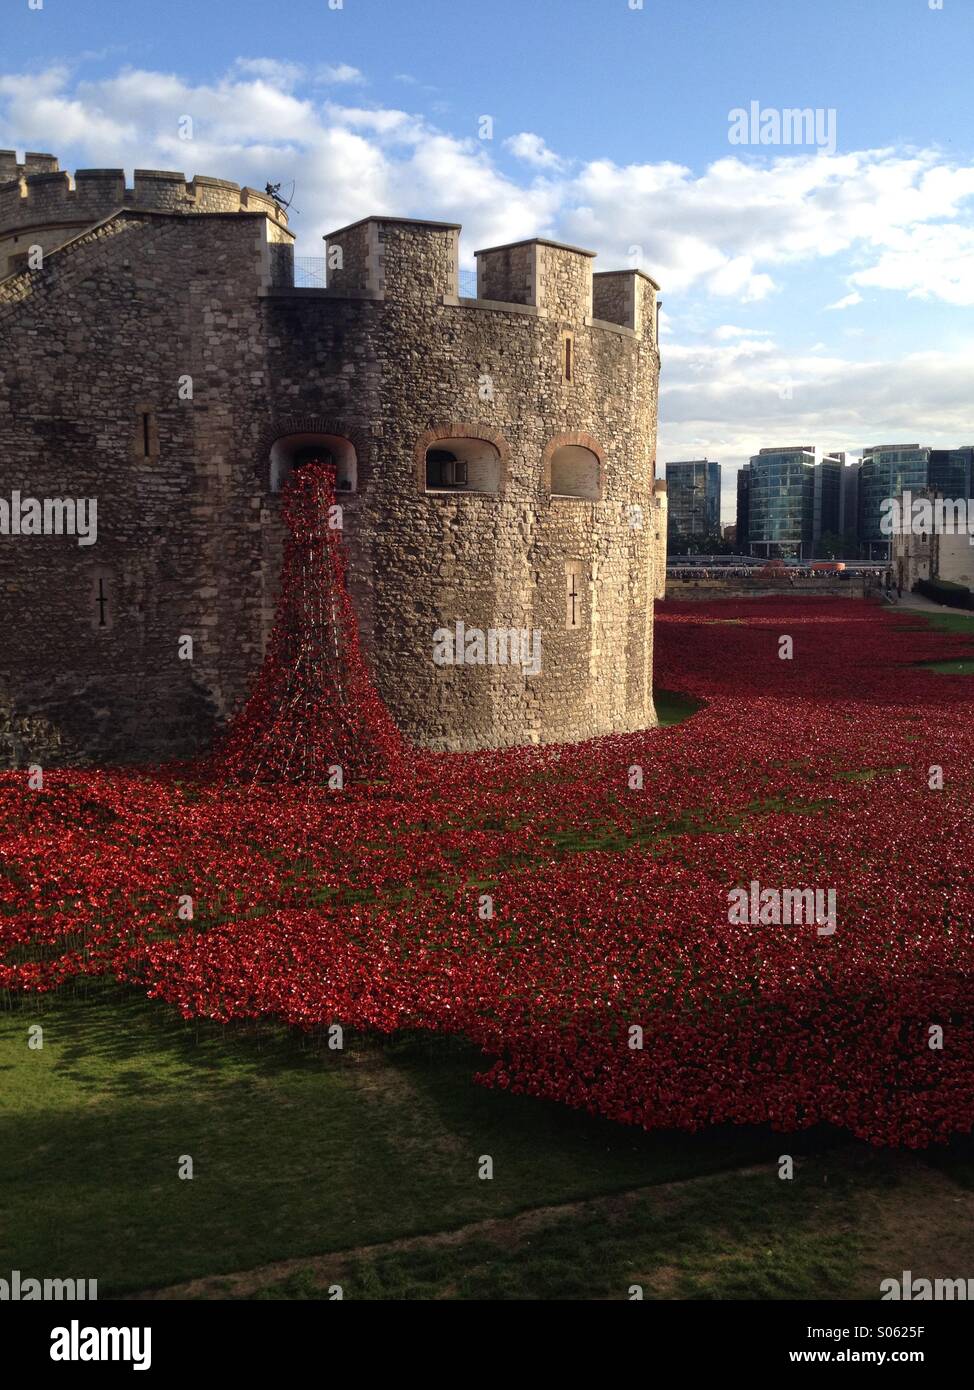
(955, 559)
(660, 504)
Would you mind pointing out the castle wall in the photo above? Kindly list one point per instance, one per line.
(415, 364)
(104, 335)
(40, 205)
(92, 353)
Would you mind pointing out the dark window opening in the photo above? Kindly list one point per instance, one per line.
(295, 451)
(568, 359)
(146, 448)
(444, 469)
(316, 453)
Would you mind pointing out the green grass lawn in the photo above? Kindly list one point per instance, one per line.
(961, 624)
(302, 1152)
(946, 621)
(672, 707)
(951, 668)
(296, 1149)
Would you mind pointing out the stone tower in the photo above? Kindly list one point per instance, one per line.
(495, 461)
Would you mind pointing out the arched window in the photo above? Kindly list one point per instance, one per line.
(575, 472)
(463, 465)
(294, 450)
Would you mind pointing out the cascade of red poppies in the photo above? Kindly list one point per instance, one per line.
(609, 902)
(314, 714)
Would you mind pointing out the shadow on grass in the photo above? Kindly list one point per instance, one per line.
(296, 1150)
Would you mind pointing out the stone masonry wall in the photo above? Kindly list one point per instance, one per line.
(414, 368)
(92, 352)
(102, 336)
(39, 204)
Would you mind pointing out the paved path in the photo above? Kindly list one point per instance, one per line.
(928, 606)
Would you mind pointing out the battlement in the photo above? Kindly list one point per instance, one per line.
(627, 298)
(37, 194)
(388, 255)
(398, 257)
(33, 164)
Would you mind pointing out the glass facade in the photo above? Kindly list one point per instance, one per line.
(743, 508)
(786, 502)
(693, 501)
(887, 470)
(950, 472)
(781, 502)
(828, 493)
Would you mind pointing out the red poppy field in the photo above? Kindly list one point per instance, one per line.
(534, 903)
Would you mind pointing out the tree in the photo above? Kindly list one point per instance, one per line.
(833, 546)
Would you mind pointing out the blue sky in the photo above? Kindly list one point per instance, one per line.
(810, 295)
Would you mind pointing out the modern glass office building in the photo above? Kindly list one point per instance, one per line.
(848, 526)
(781, 502)
(693, 493)
(952, 472)
(890, 469)
(743, 509)
(786, 502)
(828, 497)
(887, 470)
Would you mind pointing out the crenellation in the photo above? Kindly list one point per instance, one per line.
(98, 189)
(396, 256)
(548, 275)
(614, 297)
(39, 164)
(564, 281)
(42, 205)
(508, 274)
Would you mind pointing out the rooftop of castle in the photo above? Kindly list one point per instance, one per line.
(404, 221)
(38, 192)
(536, 241)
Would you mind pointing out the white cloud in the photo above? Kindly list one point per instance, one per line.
(280, 74)
(533, 150)
(736, 231)
(340, 73)
(731, 330)
(733, 231)
(930, 261)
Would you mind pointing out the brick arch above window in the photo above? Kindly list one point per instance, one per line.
(461, 429)
(577, 439)
(356, 435)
